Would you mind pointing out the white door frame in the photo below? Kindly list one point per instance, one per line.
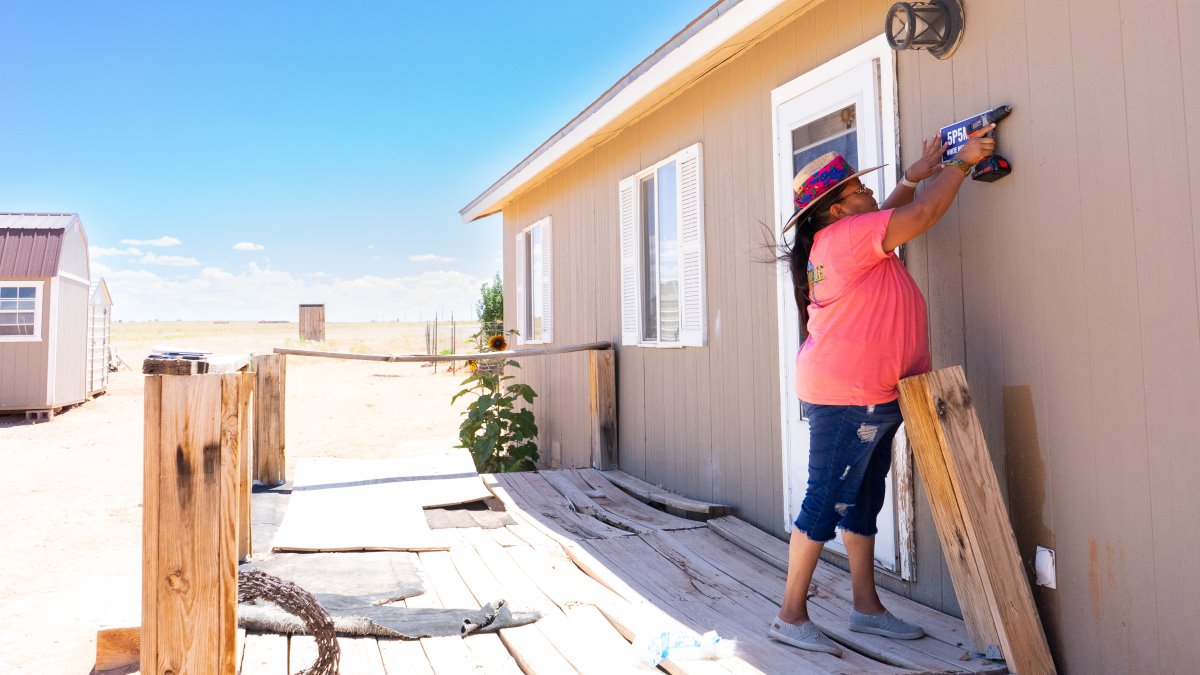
(878, 52)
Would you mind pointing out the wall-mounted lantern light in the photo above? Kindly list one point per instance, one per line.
(936, 26)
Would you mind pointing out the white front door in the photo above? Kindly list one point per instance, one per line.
(847, 105)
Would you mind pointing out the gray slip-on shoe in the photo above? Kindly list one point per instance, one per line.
(805, 636)
(886, 624)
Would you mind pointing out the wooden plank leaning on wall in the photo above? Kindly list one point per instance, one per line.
(972, 521)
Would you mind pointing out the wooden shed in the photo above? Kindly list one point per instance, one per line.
(99, 339)
(44, 296)
(312, 322)
(1068, 289)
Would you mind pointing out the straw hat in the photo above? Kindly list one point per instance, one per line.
(819, 178)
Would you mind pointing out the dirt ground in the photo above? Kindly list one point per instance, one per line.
(71, 488)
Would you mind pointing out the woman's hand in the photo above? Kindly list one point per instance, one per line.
(930, 162)
(976, 149)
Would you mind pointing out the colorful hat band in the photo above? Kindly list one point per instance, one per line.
(819, 183)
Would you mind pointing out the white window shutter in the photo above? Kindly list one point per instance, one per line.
(520, 292)
(547, 285)
(630, 288)
(691, 247)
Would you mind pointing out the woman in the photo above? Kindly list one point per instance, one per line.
(865, 320)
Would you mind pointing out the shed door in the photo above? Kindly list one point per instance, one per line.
(836, 107)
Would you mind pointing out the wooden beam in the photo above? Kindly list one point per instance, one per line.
(117, 647)
(422, 358)
(189, 580)
(673, 503)
(151, 444)
(602, 395)
(971, 519)
(245, 539)
(270, 397)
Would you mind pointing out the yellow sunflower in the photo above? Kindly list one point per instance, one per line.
(497, 343)
(472, 365)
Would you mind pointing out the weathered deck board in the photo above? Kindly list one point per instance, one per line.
(542, 498)
(486, 649)
(702, 605)
(832, 583)
(569, 587)
(265, 655)
(614, 499)
(587, 651)
(404, 657)
(360, 656)
(599, 586)
(529, 646)
(447, 654)
(675, 504)
(830, 610)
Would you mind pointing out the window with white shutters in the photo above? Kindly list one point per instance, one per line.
(534, 292)
(662, 253)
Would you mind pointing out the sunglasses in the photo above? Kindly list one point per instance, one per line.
(862, 189)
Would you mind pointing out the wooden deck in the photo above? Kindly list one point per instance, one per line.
(603, 567)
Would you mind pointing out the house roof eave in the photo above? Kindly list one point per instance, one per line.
(726, 28)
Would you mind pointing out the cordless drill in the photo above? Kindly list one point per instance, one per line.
(992, 168)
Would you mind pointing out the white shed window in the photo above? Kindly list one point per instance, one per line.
(20, 311)
(662, 253)
(535, 293)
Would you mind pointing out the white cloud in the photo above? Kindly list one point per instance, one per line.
(161, 241)
(430, 257)
(168, 260)
(102, 251)
(255, 293)
(248, 246)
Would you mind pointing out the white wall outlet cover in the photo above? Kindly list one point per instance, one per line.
(1043, 565)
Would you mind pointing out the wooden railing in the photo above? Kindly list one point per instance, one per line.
(602, 395)
(196, 520)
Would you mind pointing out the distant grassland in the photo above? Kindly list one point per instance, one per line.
(133, 340)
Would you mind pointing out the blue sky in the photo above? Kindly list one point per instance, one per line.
(335, 142)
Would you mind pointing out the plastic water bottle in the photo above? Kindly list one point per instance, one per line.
(658, 647)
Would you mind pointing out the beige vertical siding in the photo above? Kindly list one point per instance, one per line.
(23, 364)
(704, 421)
(71, 343)
(1069, 290)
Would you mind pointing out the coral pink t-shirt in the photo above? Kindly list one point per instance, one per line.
(866, 317)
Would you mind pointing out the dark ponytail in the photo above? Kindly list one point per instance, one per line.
(797, 255)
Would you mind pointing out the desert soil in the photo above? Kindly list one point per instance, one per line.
(71, 488)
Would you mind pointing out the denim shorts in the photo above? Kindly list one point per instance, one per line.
(849, 456)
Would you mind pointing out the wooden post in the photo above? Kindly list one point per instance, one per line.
(312, 322)
(972, 521)
(189, 546)
(602, 393)
(270, 395)
(245, 537)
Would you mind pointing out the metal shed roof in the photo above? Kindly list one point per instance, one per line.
(30, 252)
(38, 221)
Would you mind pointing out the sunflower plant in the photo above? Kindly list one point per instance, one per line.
(500, 436)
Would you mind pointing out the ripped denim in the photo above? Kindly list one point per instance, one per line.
(849, 456)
